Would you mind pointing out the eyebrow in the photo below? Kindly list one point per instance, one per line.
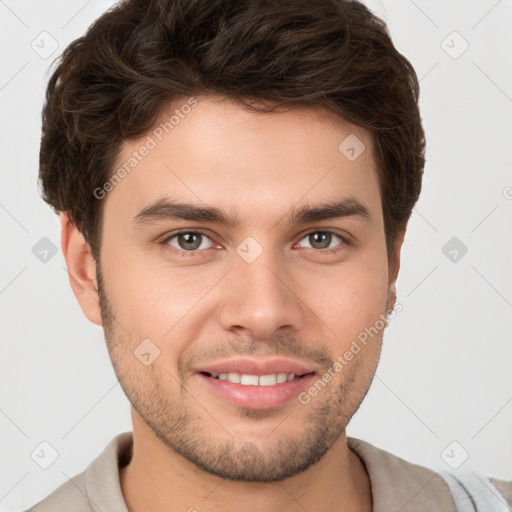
(167, 209)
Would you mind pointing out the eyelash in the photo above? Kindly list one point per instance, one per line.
(344, 242)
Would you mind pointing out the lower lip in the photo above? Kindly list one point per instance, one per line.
(257, 397)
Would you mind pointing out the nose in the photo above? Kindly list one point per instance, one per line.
(259, 299)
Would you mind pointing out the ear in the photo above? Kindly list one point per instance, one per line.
(81, 268)
(394, 267)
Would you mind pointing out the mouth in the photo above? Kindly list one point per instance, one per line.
(253, 391)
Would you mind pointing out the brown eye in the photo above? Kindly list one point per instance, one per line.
(188, 241)
(323, 239)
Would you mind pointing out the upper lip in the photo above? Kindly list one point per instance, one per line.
(257, 366)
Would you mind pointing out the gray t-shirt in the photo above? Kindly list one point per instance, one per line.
(397, 485)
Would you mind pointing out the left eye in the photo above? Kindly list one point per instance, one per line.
(321, 239)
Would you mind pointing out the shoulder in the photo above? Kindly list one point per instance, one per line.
(401, 485)
(98, 487)
(70, 494)
(407, 486)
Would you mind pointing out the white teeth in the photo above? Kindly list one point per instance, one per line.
(282, 377)
(255, 380)
(249, 380)
(234, 377)
(267, 380)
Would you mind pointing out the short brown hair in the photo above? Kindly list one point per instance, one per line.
(111, 85)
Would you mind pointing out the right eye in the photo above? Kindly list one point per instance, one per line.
(188, 241)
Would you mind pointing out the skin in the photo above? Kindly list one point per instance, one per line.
(193, 449)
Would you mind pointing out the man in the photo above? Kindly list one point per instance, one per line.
(234, 181)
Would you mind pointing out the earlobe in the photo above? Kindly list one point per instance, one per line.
(81, 268)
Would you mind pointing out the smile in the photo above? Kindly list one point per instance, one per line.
(256, 391)
(255, 380)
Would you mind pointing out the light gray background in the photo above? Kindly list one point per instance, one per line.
(446, 368)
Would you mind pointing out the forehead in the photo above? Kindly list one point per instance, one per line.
(210, 150)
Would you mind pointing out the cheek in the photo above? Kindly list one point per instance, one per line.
(156, 300)
(348, 297)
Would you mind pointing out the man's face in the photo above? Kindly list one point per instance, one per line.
(270, 294)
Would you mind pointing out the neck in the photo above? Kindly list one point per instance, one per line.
(157, 477)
